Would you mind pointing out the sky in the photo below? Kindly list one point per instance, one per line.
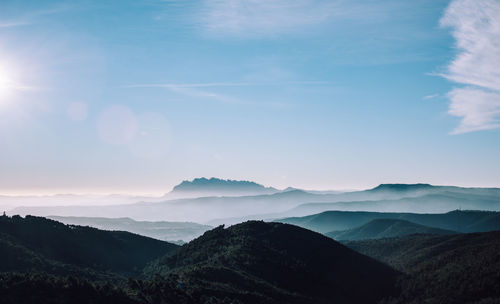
(136, 96)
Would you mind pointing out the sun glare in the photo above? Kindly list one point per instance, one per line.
(7, 83)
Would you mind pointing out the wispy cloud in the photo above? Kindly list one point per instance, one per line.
(198, 90)
(20, 87)
(479, 109)
(476, 28)
(13, 23)
(29, 18)
(193, 91)
(432, 96)
(269, 18)
(224, 84)
(261, 16)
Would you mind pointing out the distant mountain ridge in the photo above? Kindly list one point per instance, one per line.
(385, 228)
(403, 187)
(216, 200)
(199, 187)
(460, 221)
(177, 232)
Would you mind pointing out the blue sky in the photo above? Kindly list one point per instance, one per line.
(135, 96)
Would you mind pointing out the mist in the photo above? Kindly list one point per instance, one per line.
(232, 201)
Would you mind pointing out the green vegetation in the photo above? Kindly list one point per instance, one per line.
(42, 288)
(39, 244)
(44, 261)
(257, 262)
(463, 268)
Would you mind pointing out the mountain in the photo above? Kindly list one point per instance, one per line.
(44, 261)
(199, 210)
(165, 231)
(258, 262)
(458, 220)
(385, 228)
(419, 189)
(443, 201)
(202, 187)
(403, 187)
(39, 244)
(394, 198)
(462, 268)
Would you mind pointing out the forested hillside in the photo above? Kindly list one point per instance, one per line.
(462, 268)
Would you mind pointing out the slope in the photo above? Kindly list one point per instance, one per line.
(258, 262)
(463, 268)
(34, 243)
(385, 228)
(165, 231)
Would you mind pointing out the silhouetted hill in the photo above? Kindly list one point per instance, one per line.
(412, 201)
(200, 187)
(39, 244)
(462, 268)
(460, 221)
(252, 262)
(258, 262)
(385, 228)
(429, 189)
(165, 231)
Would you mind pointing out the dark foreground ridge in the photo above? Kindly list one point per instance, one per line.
(36, 244)
(44, 261)
(258, 262)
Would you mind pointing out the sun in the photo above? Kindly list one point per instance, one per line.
(7, 82)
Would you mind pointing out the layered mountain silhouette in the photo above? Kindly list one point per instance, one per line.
(44, 261)
(385, 228)
(438, 202)
(224, 201)
(460, 221)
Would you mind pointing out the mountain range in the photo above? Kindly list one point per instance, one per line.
(460, 221)
(253, 262)
(223, 207)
